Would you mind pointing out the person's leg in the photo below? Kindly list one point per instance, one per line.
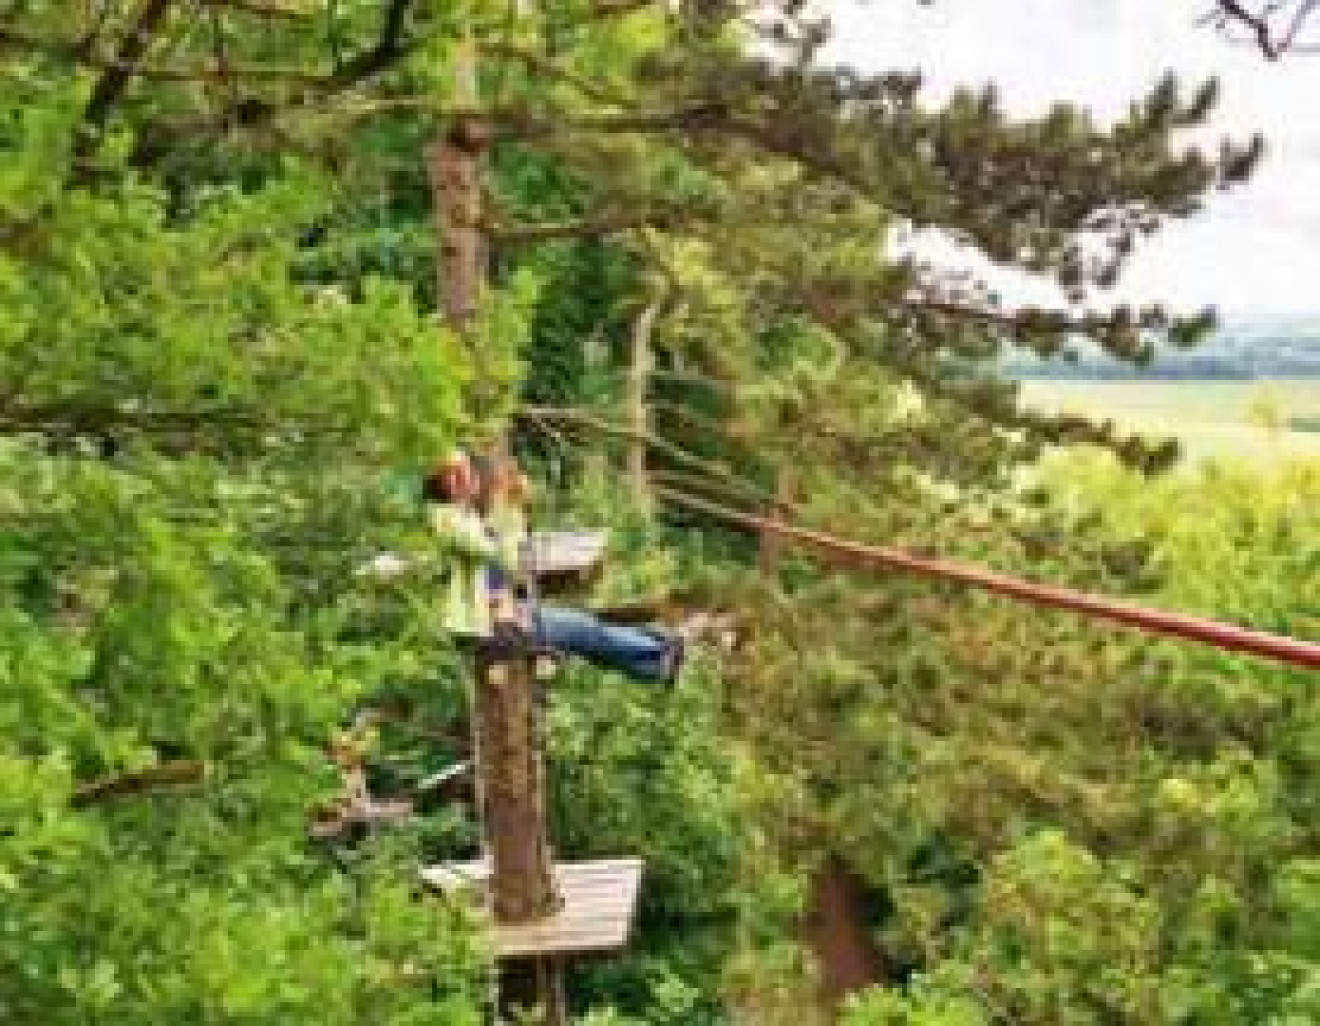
(638, 653)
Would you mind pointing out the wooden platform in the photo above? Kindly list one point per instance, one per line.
(600, 899)
(552, 553)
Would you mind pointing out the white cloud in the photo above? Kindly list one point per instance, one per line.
(1255, 251)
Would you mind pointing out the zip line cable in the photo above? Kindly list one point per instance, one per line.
(854, 555)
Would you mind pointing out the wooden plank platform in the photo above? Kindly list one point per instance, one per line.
(599, 902)
(553, 553)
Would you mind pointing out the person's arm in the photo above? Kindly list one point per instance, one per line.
(462, 533)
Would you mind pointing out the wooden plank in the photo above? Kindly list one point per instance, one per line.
(599, 905)
(552, 553)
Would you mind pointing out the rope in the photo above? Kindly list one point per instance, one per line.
(1152, 621)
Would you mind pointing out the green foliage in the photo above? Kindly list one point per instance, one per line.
(195, 423)
(878, 1007)
(1068, 823)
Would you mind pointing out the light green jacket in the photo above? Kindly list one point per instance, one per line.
(468, 547)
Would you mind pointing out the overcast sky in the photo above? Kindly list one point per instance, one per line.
(1255, 251)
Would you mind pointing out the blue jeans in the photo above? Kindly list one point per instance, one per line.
(638, 653)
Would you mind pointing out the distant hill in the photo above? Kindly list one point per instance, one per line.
(1262, 348)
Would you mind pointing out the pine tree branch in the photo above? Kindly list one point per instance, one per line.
(167, 774)
(616, 8)
(250, 112)
(542, 66)
(387, 50)
(516, 124)
(1300, 16)
(64, 417)
(1259, 26)
(260, 10)
(107, 423)
(574, 417)
(1014, 320)
(93, 34)
(816, 161)
(111, 85)
(588, 228)
(220, 71)
(125, 64)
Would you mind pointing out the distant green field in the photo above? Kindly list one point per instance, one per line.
(1228, 421)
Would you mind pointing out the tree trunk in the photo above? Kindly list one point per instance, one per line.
(455, 180)
(455, 171)
(512, 773)
(506, 734)
(640, 368)
(838, 935)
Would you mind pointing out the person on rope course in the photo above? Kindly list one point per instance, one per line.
(482, 605)
(471, 610)
(501, 500)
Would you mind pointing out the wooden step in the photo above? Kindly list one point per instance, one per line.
(599, 905)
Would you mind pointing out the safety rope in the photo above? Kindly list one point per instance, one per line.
(1152, 621)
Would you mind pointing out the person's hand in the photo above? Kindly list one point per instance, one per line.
(506, 632)
(503, 607)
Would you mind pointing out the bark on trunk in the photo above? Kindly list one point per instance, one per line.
(512, 775)
(455, 171)
(455, 179)
(639, 412)
(838, 935)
